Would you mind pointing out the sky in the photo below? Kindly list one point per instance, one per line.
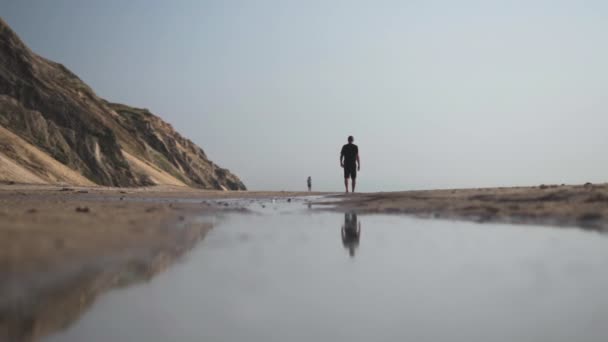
(438, 94)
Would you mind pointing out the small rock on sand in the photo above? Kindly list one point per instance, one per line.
(82, 209)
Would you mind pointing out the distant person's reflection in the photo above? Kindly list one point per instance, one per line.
(351, 232)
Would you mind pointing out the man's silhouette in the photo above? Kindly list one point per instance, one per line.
(349, 160)
(309, 183)
(351, 232)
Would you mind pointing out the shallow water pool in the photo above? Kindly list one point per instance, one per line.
(310, 276)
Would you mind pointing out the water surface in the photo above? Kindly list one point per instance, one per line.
(294, 276)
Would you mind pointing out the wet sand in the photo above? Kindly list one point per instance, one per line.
(60, 247)
(288, 274)
(582, 206)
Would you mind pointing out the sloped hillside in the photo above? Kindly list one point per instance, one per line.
(156, 143)
(22, 162)
(51, 111)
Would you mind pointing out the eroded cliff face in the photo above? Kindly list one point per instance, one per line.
(156, 142)
(54, 113)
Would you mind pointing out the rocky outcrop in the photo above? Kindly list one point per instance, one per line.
(49, 107)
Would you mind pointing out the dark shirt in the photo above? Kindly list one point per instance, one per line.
(350, 153)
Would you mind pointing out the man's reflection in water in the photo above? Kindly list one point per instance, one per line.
(351, 231)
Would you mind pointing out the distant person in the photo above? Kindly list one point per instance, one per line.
(309, 182)
(349, 160)
(351, 232)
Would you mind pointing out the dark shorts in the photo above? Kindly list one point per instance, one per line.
(350, 171)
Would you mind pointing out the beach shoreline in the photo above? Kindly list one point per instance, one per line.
(580, 206)
(62, 246)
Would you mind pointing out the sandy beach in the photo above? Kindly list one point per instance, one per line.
(554, 205)
(47, 225)
(63, 246)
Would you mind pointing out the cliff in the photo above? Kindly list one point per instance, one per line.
(55, 129)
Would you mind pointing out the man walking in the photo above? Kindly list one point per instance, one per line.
(309, 182)
(349, 160)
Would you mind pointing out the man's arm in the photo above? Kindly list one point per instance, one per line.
(342, 157)
(358, 162)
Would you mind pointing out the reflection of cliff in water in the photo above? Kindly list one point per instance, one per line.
(351, 233)
(35, 305)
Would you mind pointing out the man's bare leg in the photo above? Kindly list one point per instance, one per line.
(346, 184)
(354, 182)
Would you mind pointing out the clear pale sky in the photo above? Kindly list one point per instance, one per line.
(437, 93)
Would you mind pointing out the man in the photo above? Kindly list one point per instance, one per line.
(350, 162)
(309, 182)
